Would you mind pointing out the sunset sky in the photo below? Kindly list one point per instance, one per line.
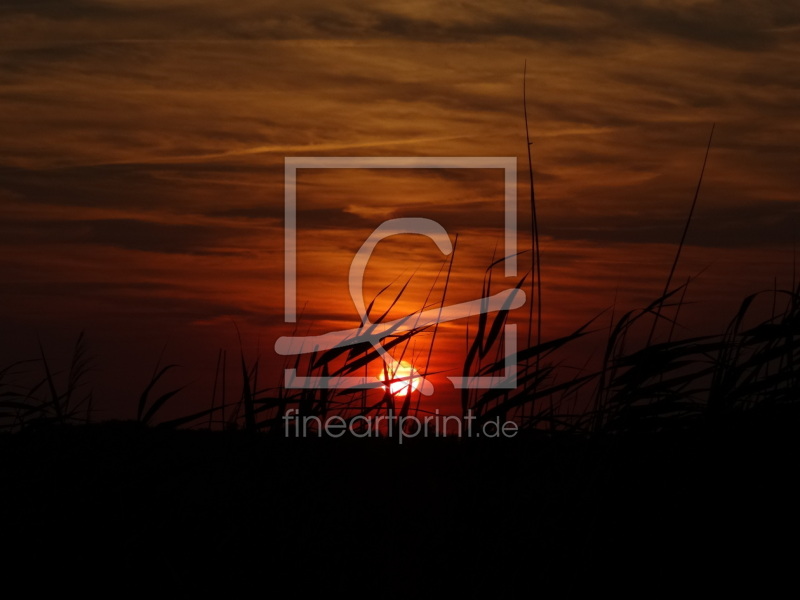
(142, 148)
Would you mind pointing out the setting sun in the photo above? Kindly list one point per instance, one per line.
(404, 377)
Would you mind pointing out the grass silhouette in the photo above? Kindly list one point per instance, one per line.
(640, 384)
(751, 364)
(668, 465)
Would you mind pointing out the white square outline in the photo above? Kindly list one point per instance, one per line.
(509, 166)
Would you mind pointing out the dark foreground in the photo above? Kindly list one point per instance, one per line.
(118, 508)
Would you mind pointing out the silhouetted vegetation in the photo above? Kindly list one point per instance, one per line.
(666, 464)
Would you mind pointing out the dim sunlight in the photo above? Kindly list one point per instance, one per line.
(404, 379)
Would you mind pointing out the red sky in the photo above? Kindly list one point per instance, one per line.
(142, 149)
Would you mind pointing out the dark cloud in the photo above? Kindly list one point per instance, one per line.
(94, 288)
(329, 218)
(59, 8)
(465, 215)
(131, 234)
(738, 24)
(719, 224)
(135, 300)
(523, 25)
(153, 237)
(197, 188)
(142, 141)
(271, 211)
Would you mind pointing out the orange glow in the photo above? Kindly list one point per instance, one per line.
(143, 183)
(404, 378)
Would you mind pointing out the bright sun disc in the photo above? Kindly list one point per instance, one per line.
(406, 374)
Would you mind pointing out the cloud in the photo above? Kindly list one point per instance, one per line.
(740, 24)
(143, 141)
(720, 225)
(131, 234)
